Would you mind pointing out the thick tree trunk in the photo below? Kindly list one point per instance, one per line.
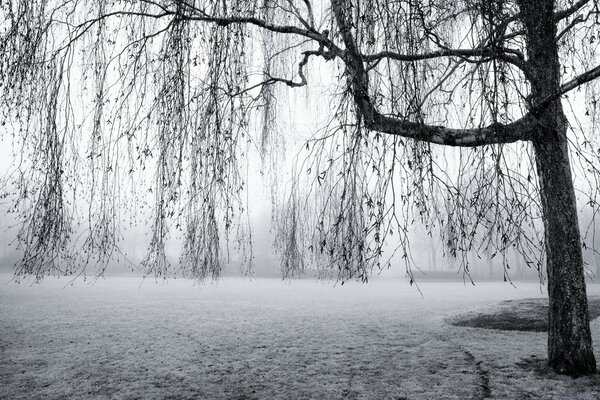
(569, 338)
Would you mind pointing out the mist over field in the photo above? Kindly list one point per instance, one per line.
(119, 338)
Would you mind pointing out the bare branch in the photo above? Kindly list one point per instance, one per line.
(516, 59)
(521, 129)
(289, 29)
(570, 26)
(311, 16)
(567, 87)
(570, 11)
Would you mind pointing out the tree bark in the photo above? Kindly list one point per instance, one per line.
(569, 337)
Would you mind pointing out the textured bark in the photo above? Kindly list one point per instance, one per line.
(569, 338)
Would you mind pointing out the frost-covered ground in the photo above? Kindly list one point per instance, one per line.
(268, 339)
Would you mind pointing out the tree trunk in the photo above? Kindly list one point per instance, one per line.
(569, 338)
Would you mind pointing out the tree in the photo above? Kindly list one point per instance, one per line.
(174, 84)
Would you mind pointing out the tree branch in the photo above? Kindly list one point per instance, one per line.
(484, 52)
(522, 129)
(565, 88)
(579, 19)
(225, 21)
(289, 82)
(201, 16)
(559, 15)
(311, 16)
(491, 53)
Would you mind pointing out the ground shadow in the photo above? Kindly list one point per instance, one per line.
(517, 315)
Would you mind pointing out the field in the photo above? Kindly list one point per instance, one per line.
(268, 339)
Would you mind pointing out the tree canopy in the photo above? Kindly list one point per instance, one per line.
(175, 94)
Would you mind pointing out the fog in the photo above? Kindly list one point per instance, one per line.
(304, 118)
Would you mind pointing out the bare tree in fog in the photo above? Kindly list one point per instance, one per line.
(101, 93)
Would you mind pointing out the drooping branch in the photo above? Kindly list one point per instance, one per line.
(287, 29)
(521, 129)
(190, 13)
(201, 114)
(199, 16)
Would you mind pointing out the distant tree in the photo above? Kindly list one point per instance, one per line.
(98, 93)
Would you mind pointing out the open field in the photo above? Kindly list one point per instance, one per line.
(268, 339)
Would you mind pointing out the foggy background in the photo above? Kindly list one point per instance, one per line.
(304, 120)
